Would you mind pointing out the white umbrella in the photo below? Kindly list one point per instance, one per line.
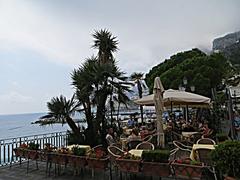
(158, 102)
(176, 98)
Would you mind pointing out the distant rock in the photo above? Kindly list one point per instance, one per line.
(222, 43)
(229, 45)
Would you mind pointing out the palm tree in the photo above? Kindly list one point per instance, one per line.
(137, 78)
(63, 109)
(106, 44)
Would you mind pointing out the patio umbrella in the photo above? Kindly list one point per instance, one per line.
(158, 102)
(176, 98)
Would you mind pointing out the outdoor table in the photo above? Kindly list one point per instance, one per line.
(188, 134)
(136, 152)
(193, 154)
(86, 147)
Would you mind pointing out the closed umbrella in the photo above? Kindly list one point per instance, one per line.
(158, 102)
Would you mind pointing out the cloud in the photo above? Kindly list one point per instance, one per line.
(15, 97)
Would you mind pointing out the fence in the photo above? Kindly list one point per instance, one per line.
(57, 139)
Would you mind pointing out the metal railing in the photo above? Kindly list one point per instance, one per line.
(7, 157)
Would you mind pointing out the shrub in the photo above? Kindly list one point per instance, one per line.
(227, 158)
(78, 151)
(221, 137)
(156, 156)
(33, 146)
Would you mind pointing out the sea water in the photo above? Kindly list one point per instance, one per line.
(19, 125)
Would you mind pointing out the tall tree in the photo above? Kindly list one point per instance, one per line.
(63, 109)
(106, 44)
(137, 78)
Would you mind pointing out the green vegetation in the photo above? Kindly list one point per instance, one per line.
(33, 146)
(156, 156)
(94, 82)
(227, 158)
(78, 151)
(201, 70)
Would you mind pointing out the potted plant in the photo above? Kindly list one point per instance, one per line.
(226, 156)
(20, 152)
(97, 159)
(32, 151)
(187, 169)
(155, 162)
(221, 137)
(78, 158)
(129, 163)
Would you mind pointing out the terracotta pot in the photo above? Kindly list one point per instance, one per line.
(128, 165)
(32, 154)
(77, 161)
(229, 178)
(156, 169)
(187, 171)
(19, 152)
(95, 163)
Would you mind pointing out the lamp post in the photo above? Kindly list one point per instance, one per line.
(184, 87)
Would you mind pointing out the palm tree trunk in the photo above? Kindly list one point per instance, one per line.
(140, 96)
(73, 126)
(118, 116)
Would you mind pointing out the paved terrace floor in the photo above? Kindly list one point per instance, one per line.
(17, 172)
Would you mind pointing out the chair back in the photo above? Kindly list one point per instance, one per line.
(95, 148)
(154, 138)
(181, 146)
(179, 154)
(145, 146)
(115, 152)
(148, 138)
(133, 144)
(206, 141)
(204, 156)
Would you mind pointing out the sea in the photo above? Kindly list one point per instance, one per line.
(19, 125)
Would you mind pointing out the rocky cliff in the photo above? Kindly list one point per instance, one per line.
(226, 41)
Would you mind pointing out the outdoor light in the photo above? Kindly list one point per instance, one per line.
(192, 88)
(185, 81)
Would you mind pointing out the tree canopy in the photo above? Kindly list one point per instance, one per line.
(201, 70)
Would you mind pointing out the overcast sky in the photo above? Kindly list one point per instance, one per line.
(42, 41)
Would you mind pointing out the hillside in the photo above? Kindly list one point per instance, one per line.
(229, 45)
(201, 70)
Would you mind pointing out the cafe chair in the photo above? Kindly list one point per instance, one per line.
(204, 157)
(133, 144)
(145, 146)
(206, 141)
(181, 151)
(148, 138)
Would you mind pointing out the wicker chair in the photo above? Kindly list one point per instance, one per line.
(115, 152)
(181, 151)
(206, 141)
(204, 157)
(133, 144)
(154, 138)
(145, 146)
(148, 138)
(98, 147)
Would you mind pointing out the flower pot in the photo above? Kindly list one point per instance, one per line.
(128, 165)
(32, 154)
(229, 178)
(96, 163)
(156, 169)
(77, 161)
(187, 171)
(19, 152)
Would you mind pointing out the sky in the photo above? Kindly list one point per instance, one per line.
(41, 42)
